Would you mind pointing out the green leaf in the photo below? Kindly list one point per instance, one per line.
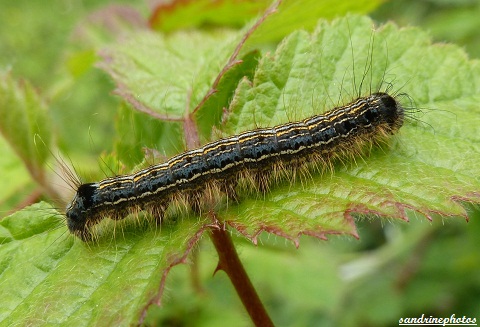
(56, 279)
(133, 127)
(186, 14)
(292, 15)
(170, 75)
(23, 122)
(287, 15)
(425, 170)
(16, 181)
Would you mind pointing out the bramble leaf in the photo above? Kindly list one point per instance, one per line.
(56, 279)
(430, 167)
(187, 14)
(24, 120)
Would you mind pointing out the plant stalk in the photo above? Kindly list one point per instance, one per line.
(229, 262)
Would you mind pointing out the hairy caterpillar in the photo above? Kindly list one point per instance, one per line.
(249, 156)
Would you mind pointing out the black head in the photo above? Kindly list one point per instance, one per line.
(79, 211)
(389, 110)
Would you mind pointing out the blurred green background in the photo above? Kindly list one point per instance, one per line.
(395, 270)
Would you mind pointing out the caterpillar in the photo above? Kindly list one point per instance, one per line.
(249, 156)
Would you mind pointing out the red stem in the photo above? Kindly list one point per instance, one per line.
(229, 262)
